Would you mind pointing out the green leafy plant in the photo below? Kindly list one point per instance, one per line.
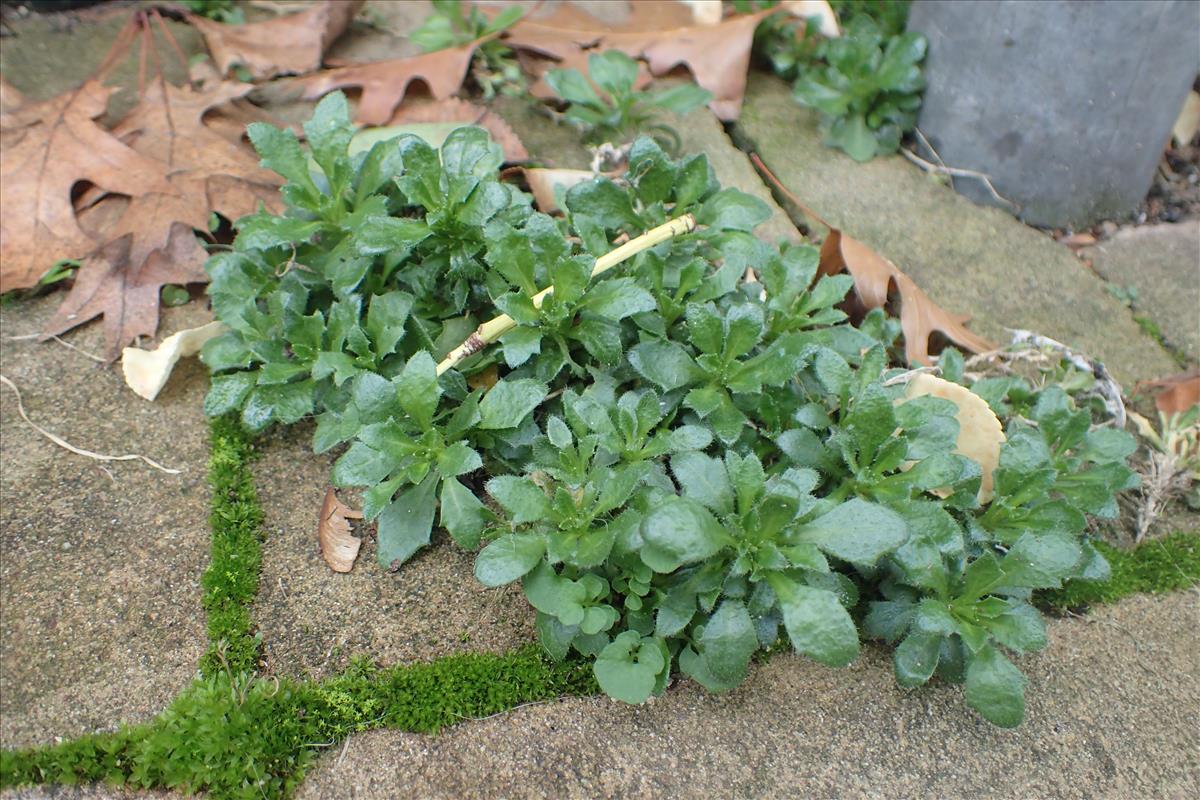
(617, 111)
(220, 10)
(866, 83)
(682, 465)
(495, 66)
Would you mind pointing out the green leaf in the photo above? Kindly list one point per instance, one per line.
(462, 514)
(417, 388)
(458, 459)
(470, 151)
(679, 531)
(680, 99)
(852, 135)
(280, 151)
(703, 479)
(629, 667)
(572, 86)
(995, 688)
(605, 202)
(508, 558)
(618, 298)
(856, 531)
(378, 235)
(665, 364)
(816, 621)
(328, 135)
(916, 658)
(520, 344)
(405, 526)
(508, 402)
(733, 209)
(519, 496)
(613, 71)
(1021, 628)
(227, 392)
(726, 646)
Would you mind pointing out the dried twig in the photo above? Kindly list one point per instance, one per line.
(63, 443)
(37, 336)
(956, 172)
(1107, 386)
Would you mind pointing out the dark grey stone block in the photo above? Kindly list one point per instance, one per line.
(1066, 105)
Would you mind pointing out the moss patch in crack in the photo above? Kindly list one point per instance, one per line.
(230, 583)
(1159, 565)
(246, 736)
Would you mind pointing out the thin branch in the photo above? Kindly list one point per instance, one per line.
(63, 443)
(63, 342)
(493, 329)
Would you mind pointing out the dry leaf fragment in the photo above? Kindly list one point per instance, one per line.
(47, 149)
(718, 56)
(285, 45)
(875, 278)
(980, 433)
(339, 546)
(385, 83)
(146, 371)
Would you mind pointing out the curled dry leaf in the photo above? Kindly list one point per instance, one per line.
(876, 278)
(146, 371)
(718, 56)
(385, 83)
(286, 45)
(45, 149)
(980, 433)
(339, 547)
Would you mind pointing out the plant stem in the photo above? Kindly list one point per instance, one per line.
(493, 329)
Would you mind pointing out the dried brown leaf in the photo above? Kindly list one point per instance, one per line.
(47, 148)
(339, 546)
(385, 83)
(718, 56)
(286, 45)
(876, 279)
(126, 293)
(1177, 393)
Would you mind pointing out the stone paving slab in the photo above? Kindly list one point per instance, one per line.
(1163, 263)
(313, 620)
(1111, 714)
(100, 617)
(969, 259)
(86, 792)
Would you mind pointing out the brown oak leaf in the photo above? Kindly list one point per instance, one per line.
(339, 547)
(385, 83)
(127, 293)
(876, 279)
(289, 44)
(45, 150)
(718, 56)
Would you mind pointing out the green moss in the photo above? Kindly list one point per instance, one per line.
(231, 581)
(1158, 565)
(250, 736)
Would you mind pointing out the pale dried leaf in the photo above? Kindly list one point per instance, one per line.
(146, 371)
(1188, 121)
(980, 433)
(807, 9)
(339, 547)
(286, 45)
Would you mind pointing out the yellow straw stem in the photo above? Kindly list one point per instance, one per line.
(494, 328)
